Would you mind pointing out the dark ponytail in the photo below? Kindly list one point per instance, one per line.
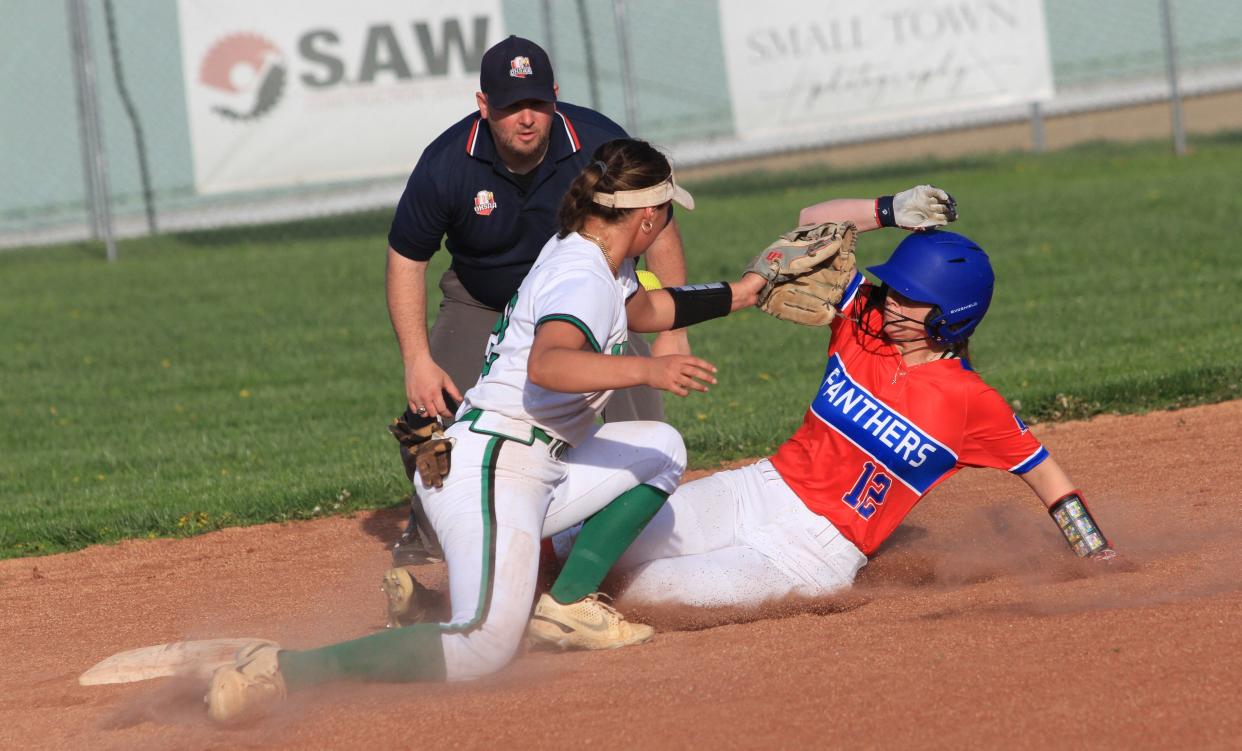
(623, 164)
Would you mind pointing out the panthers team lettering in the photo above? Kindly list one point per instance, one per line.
(911, 455)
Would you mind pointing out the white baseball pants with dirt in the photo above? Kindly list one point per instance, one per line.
(737, 538)
(507, 488)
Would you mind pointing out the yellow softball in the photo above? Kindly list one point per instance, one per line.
(649, 280)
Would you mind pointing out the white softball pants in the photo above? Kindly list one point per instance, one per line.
(737, 538)
(504, 492)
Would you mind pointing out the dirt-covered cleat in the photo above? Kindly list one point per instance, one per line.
(585, 624)
(406, 598)
(248, 688)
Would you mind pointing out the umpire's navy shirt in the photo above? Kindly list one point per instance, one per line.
(495, 226)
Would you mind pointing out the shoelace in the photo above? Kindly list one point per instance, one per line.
(596, 598)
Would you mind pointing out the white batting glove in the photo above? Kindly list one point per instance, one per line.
(919, 208)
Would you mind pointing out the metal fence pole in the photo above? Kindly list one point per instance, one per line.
(1038, 141)
(627, 70)
(588, 51)
(548, 43)
(1170, 58)
(84, 140)
(88, 116)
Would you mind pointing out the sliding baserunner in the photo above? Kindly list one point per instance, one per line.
(898, 411)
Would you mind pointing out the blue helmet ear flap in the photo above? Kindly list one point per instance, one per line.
(942, 331)
(935, 323)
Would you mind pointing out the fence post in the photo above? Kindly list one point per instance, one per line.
(94, 162)
(588, 51)
(1170, 58)
(1038, 143)
(84, 141)
(548, 42)
(627, 70)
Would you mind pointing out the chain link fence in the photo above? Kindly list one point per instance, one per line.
(115, 126)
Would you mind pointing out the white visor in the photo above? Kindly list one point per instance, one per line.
(643, 197)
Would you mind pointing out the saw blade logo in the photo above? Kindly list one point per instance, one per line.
(247, 72)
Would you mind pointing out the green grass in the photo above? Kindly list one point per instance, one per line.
(245, 375)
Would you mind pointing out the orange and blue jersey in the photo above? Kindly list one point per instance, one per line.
(879, 434)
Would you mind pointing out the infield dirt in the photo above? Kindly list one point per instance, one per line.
(974, 627)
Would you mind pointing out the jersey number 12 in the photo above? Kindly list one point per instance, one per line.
(868, 492)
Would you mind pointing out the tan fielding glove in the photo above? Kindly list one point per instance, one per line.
(424, 450)
(807, 272)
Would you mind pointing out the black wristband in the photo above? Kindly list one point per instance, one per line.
(700, 302)
(884, 211)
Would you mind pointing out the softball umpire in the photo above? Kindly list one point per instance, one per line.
(491, 185)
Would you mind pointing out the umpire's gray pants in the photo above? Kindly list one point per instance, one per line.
(459, 339)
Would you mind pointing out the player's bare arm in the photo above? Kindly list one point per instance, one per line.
(425, 381)
(561, 360)
(1049, 482)
(1068, 509)
(666, 257)
(919, 208)
(666, 260)
(674, 308)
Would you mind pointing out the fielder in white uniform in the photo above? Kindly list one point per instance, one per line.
(543, 451)
(529, 459)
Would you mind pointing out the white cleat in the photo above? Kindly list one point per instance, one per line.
(248, 688)
(406, 602)
(585, 624)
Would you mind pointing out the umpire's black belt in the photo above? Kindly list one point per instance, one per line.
(494, 423)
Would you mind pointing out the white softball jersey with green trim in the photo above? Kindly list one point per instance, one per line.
(570, 282)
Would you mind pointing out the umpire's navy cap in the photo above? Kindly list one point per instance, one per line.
(515, 69)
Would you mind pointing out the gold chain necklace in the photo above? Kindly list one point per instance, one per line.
(903, 369)
(604, 248)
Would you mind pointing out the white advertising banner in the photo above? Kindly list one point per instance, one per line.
(288, 92)
(798, 68)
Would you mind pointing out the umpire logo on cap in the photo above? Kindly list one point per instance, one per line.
(515, 69)
(519, 67)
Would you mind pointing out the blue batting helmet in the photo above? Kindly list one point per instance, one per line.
(947, 270)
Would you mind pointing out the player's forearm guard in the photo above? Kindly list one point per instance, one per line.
(1080, 530)
(700, 302)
